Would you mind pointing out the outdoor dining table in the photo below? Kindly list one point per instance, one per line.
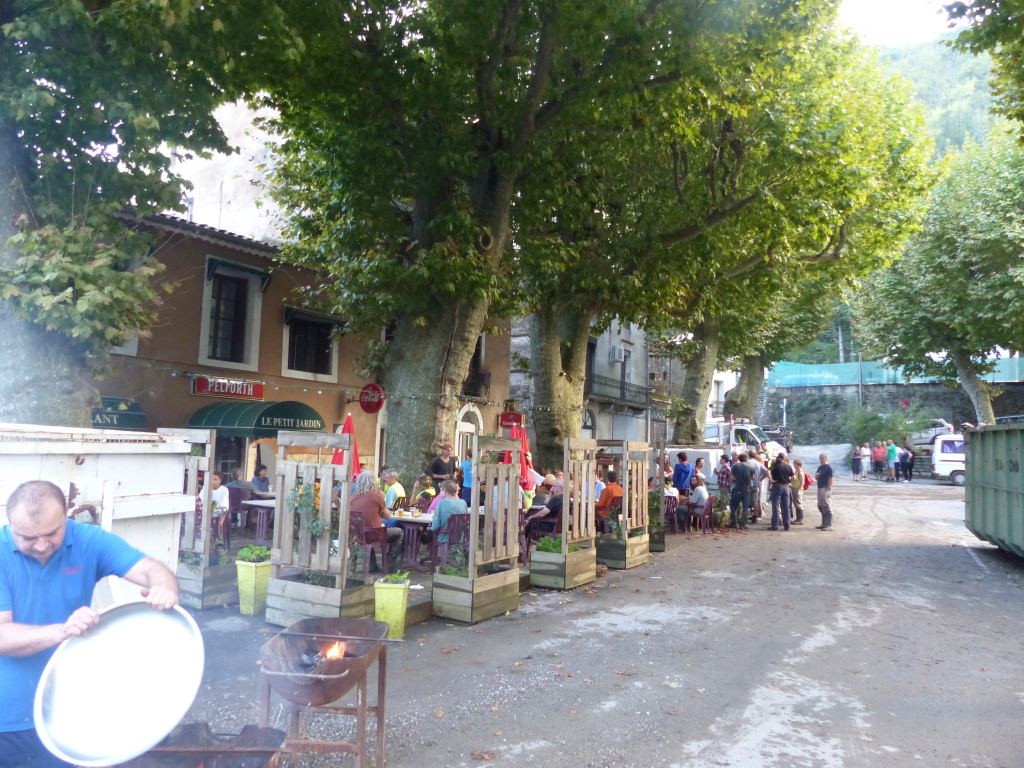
(263, 509)
(412, 526)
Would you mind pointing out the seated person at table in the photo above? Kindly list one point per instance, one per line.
(449, 503)
(559, 485)
(260, 479)
(423, 488)
(611, 492)
(696, 503)
(368, 507)
(393, 490)
(218, 494)
(545, 519)
(543, 494)
(248, 489)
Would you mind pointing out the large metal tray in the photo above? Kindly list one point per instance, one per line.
(118, 690)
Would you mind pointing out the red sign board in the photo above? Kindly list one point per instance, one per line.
(236, 389)
(509, 419)
(371, 398)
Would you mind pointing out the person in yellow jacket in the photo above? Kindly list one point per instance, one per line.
(801, 481)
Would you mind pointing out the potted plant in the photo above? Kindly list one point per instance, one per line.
(551, 567)
(253, 565)
(391, 598)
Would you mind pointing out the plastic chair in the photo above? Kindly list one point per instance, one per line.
(458, 533)
(369, 539)
(668, 516)
(702, 519)
(235, 506)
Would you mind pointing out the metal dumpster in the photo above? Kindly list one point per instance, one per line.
(995, 485)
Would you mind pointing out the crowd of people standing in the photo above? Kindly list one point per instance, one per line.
(887, 461)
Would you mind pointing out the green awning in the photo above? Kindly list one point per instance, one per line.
(262, 419)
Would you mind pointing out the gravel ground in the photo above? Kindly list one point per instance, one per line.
(890, 641)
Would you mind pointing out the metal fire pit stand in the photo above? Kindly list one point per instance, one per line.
(293, 742)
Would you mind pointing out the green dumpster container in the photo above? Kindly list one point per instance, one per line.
(995, 485)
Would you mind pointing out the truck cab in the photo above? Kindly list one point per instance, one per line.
(949, 454)
(740, 436)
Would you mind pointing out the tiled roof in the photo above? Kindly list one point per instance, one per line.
(210, 234)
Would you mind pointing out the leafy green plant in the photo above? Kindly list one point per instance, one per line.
(451, 570)
(254, 554)
(635, 533)
(654, 507)
(867, 426)
(397, 577)
(190, 558)
(554, 545)
(319, 579)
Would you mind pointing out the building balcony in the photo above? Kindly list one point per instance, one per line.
(717, 407)
(616, 391)
(477, 384)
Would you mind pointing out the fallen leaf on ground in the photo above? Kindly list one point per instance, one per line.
(497, 733)
(479, 755)
(587, 680)
(619, 672)
(558, 666)
(519, 663)
(672, 684)
(495, 709)
(408, 669)
(701, 690)
(446, 650)
(439, 713)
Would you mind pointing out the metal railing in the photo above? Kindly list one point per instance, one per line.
(616, 389)
(477, 384)
(717, 408)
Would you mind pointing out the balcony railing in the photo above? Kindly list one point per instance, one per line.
(478, 383)
(716, 406)
(616, 389)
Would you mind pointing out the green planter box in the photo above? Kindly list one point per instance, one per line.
(289, 599)
(209, 587)
(473, 600)
(391, 601)
(557, 571)
(657, 537)
(623, 553)
(252, 587)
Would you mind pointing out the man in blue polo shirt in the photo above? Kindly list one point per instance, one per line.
(49, 566)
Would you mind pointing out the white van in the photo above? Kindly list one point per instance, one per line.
(740, 436)
(949, 456)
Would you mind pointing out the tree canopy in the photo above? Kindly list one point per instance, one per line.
(956, 296)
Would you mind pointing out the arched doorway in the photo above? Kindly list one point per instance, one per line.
(470, 422)
(589, 430)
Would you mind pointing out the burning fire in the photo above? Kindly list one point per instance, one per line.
(336, 651)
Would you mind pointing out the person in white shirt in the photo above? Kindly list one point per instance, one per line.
(698, 495)
(218, 494)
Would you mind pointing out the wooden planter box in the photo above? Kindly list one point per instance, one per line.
(473, 600)
(621, 554)
(557, 571)
(289, 600)
(209, 587)
(656, 533)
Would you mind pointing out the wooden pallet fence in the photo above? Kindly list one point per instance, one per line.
(625, 551)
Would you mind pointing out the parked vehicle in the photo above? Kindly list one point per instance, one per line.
(949, 456)
(994, 496)
(739, 436)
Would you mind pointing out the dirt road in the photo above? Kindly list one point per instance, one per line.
(891, 641)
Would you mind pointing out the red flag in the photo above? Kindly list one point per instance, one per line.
(525, 462)
(349, 428)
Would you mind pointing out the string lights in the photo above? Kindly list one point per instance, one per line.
(393, 397)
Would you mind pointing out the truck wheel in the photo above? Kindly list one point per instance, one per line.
(957, 478)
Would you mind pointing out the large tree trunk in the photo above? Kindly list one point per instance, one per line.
(976, 388)
(558, 345)
(43, 380)
(699, 375)
(424, 371)
(741, 402)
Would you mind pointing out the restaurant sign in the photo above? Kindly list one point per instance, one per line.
(509, 419)
(371, 398)
(236, 389)
(269, 421)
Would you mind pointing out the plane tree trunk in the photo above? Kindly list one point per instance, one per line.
(698, 379)
(44, 378)
(977, 389)
(741, 402)
(558, 345)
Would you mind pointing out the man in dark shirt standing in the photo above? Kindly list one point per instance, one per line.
(740, 491)
(825, 477)
(442, 468)
(781, 475)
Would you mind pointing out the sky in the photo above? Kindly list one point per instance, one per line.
(894, 22)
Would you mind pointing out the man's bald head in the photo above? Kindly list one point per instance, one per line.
(36, 497)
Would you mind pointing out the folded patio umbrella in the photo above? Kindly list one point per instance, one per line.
(348, 428)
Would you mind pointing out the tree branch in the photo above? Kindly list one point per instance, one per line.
(713, 219)
(831, 252)
(677, 181)
(485, 71)
(539, 83)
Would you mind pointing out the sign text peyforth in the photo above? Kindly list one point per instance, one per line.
(234, 388)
